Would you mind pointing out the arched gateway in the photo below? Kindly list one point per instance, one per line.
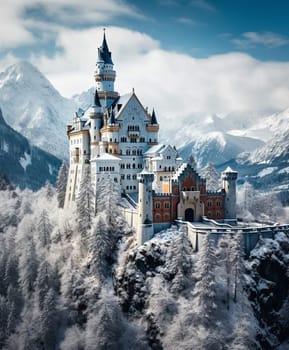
(189, 215)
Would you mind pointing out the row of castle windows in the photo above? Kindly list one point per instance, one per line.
(127, 166)
(132, 140)
(188, 188)
(133, 128)
(166, 205)
(167, 168)
(106, 168)
(134, 152)
(131, 187)
(210, 203)
(165, 217)
(128, 176)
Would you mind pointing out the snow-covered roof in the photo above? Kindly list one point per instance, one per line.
(229, 170)
(105, 157)
(154, 149)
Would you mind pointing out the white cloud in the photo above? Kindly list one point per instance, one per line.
(176, 85)
(17, 21)
(187, 20)
(253, 39)
(203, 4)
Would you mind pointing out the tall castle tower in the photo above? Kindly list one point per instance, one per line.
(145, 229)
(229, 178)
(105, 75)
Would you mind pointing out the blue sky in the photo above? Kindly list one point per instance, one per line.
(223, 55)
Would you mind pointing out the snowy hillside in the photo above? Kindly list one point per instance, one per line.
(34, 108)
(23, 164)
(84, 99)
(217, 147)
(277, 146)
(73, 280)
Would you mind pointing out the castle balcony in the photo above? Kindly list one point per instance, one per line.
(152, 128)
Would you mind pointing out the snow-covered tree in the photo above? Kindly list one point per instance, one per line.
(105, 329)
(49, 318)
(107, 200)
(205, 287)
(4, 312)
(61, 184)
(73, 339)
(29, 265)
(46, 279)
(212, 177)
(44, 229)
(192, 162)
(85, 203)
(101, 243)
(179, 263)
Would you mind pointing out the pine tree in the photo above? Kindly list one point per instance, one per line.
(205, 288)
(46, 279)
(49, 319)
(14, 305)
(100, 246)
(61, 184)
(212, 177)
(44, 229)
(85, 203)
(29, 265)
(105, 329)
(4, 312)
(179, 263)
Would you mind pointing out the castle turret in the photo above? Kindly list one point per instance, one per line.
(229, 178)
(145, 229)
(95, 115)
(105, 75)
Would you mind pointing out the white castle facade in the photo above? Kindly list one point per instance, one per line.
(118, 137)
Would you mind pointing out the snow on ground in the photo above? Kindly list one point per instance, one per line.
(25, 161)
(167, 234)
(266, 171)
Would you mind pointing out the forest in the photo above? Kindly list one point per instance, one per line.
(75, 279)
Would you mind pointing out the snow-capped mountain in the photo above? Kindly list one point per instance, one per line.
(277, 145)
(35, 108)
(210, 138)
(84, 99)
(23, 164)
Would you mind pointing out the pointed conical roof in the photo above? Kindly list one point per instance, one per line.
(103, 52)
(154, 118)
(96, 99)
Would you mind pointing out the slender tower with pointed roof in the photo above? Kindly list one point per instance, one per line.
(105, 75)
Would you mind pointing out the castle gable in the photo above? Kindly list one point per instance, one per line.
(130, 110)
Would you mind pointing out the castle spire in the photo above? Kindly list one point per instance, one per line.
(96, 99)
(154, 118)
(104, 54)
(105, 75)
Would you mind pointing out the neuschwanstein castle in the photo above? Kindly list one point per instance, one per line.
(118, 137)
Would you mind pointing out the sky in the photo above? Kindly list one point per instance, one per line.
(182, 57)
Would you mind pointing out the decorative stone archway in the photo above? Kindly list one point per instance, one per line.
(190, 207)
